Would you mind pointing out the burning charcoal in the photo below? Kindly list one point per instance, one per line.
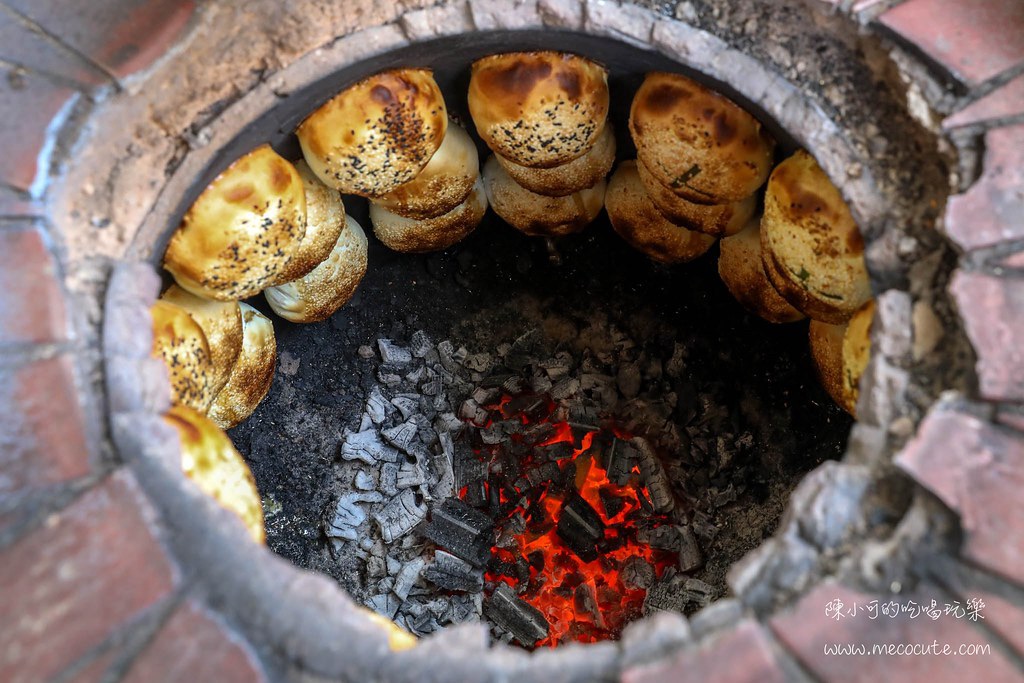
(637, 573)
(493, 434)
(517, 617)
(543, 474)
(391, 353)
(476, 492)
(523, 350)
(585, 600)
(432, 388)
(676, 365)
(410, 474)
(451, 573)
(628, 379)
(557, 367)
(445, 352)
(376, 406)
(364, 481)
(619, 458)
(654, 476)
(421, 344)
(704, 526)
(368, 447)
(689, 551)
(560, 450)
(384, 604)
(410, 571)
(540, 384)
(400, 515)
(407, 404)
(612, 502)
(463, 531)
(536, 433)
(348, 514)
(401, 436)
(580, 527)
(666, 537)
(472, 411)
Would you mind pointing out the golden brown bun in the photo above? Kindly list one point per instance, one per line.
(717, 220)
(739, 265)
(538, 109)
(637, 221)
(325, 218)
(445, 182)
(430, 234)
(181, 343)
(576, 175)
(536, 214)
(696, 142)
(221, 322)
(827, 353)
(327, 287)
(242, 230)
(377, 134)
(856, 353)
(813, 252)
(253, 372)
(210, 460)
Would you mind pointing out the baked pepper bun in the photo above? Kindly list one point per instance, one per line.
(635, 218)
(696, 142)
(813, 251)
(242, 230)
(538, 109)
(377, 134)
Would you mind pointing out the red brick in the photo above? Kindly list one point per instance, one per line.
(977, 470)
(1001, 103)
(1014, 419)
(42, 436)
(974, 41)
(31, 299)
(740, 654)
(195, 646)
(992, 210)
(805, 630)
(27, 105)
(86, 571)
(124, 36)
(992, 310)
(25, 48)
(1000, 614)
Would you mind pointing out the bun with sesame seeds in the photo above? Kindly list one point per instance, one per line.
(242, 230)
(697, 143)
(221, 322)
(213, 463)
(812, 250)
(536, 214)
(410, 235)
(377, 134)
(326, 288)
(325, 218)
(443, 184)
(538, 109)
(252, 374)
(181, 343)
(573, 176)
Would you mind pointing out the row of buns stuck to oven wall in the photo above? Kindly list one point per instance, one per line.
(703, 167)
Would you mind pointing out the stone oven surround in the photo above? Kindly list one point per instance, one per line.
(96, 524)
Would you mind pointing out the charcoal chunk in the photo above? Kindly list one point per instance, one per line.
(580, 527)
(451, 573)
(525, 622)
(463, 531)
